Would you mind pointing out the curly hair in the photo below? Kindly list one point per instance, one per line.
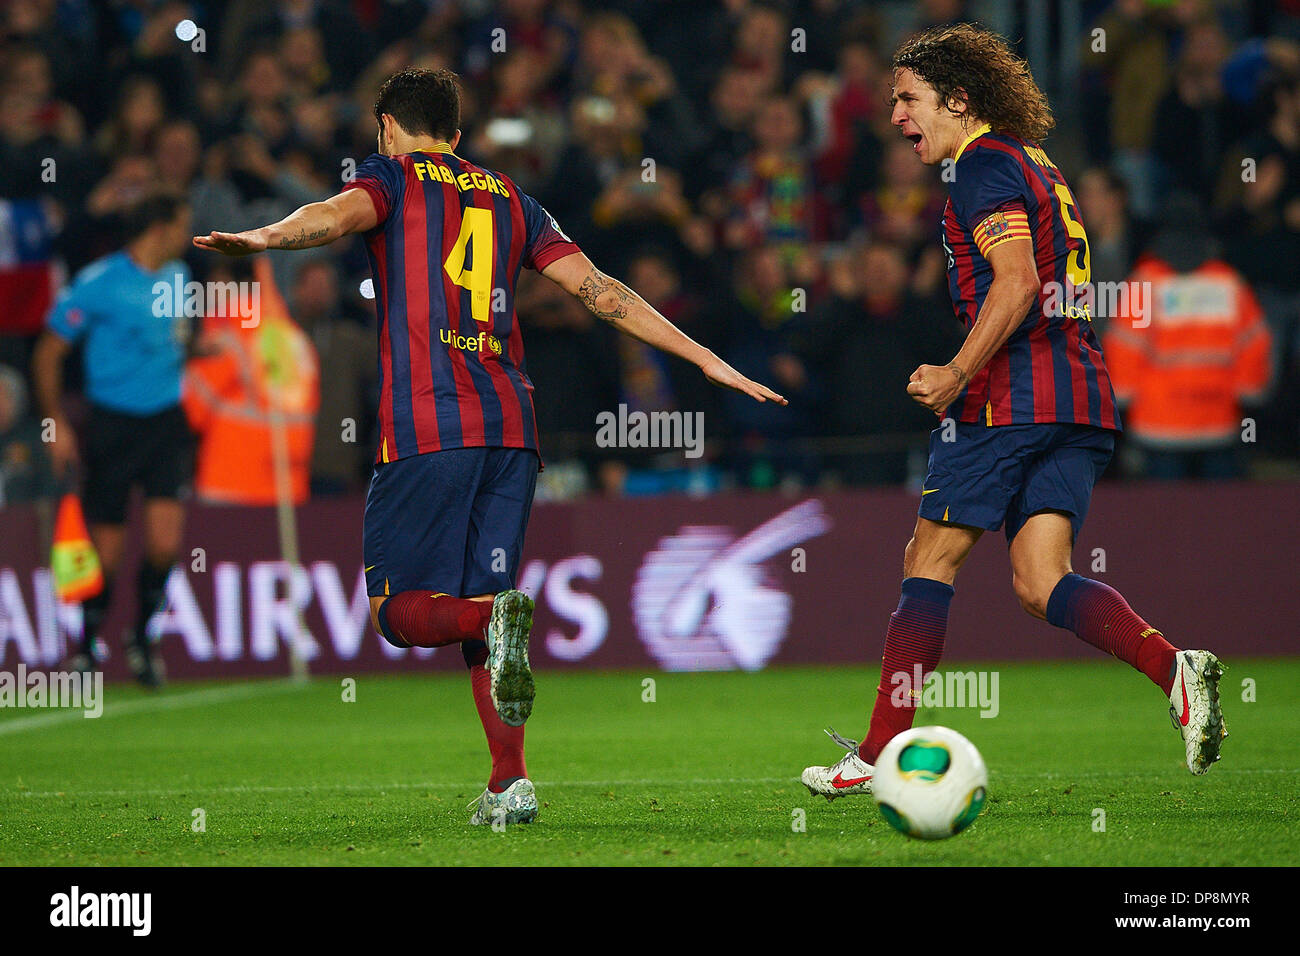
(969, 63)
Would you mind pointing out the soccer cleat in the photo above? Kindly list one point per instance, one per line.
(507, 663)
(516, 804)
(144, 661)
(82, 663)
(1194, 708)
(849, 777)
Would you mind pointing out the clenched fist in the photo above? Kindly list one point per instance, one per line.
(935, 386)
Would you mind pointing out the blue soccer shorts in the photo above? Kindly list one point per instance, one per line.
(994, 476)
(450, 521)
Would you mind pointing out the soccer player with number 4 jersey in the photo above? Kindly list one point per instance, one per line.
(1029, 417)
(458, 458)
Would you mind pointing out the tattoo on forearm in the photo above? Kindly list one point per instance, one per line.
(962, 377)
(606, 297)
(302, 239)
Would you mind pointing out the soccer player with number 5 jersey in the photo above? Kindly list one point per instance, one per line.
(1028, 413)
(458, 457)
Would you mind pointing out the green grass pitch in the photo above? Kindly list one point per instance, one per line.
(707, 774)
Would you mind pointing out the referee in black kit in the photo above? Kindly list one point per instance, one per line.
(122, 310)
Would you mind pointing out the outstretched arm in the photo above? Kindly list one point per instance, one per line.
(315, 224)
(622, 308)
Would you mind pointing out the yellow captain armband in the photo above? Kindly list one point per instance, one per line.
(1001, 226)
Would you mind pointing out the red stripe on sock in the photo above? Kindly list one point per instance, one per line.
(505, 743)
(1099, 615)
(915, 637)
(422, 619)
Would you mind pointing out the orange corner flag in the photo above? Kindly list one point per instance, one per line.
(74, 563)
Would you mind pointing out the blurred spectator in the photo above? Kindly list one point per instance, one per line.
(760, 316)
(140, 110)
(261, 108)
(29, 276)
(1259, 207)
(761, 43)
(177, 155)
(845, 107)
(302, 53)
(615, 197)
(27, 74)
(270, 190)
(1187, 355)
(346, 46)
(1133, 55)
(863, 343)
(1259, 195)
(540, 26)
(251, 397)
(736, 98)
(772, 196)
(62, 31)
(1195, 122)
(562, 336)
(524, 133)
(1112, 244)
(157, 52)
(614, 63)
(643, 371)
(349, 364)
(25, 472)
(906, 206)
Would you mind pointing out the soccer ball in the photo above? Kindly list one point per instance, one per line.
(930, 782)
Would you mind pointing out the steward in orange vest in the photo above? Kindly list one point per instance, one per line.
(1184, 358)
(233, 396)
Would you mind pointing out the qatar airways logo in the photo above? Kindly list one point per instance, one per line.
(705, 599)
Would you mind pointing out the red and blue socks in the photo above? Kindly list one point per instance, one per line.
(1099, 615)
(505, 743)
(914, 638)
(422, 619)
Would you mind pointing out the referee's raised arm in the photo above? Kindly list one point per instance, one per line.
(315, 224)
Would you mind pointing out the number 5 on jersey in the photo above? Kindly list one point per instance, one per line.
(1077, 265)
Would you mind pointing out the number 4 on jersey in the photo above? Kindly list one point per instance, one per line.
(476, 227)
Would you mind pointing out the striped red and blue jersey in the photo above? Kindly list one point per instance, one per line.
(1051, 368)
(445, 257)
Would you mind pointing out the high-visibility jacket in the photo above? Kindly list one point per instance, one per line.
(1184, 351)
(234, 398)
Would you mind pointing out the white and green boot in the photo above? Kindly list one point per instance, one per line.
(516, 804)
(1195, 709)
(507, 663)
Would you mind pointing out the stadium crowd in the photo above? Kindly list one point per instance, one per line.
(732, 160)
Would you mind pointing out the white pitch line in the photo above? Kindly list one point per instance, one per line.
(380, 787)
(438, 785)
(209, 695)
